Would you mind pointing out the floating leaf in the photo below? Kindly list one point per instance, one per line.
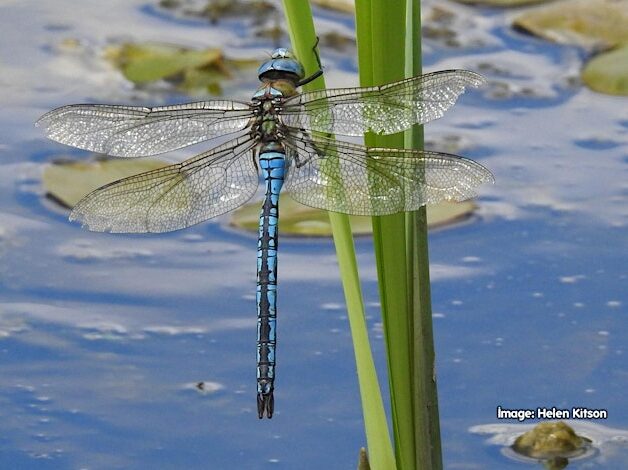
(599, 23)
(216, 10)
(297, 219)
(608, 72)
(502, 3)
(149, 62)
(68, 181)
(346, 6)
(274, 33)
(336, 40)
(188, 69)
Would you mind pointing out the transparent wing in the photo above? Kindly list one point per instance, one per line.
(385, 109)
(176, 196)
(133, 131)
(352, 179)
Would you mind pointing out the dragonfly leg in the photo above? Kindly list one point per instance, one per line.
(316, 74)
(315, 51)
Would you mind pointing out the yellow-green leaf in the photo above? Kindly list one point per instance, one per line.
(608, 72)
(503, 3)
(599, 23)
(67, 182)
(346, 6)
(297, 219)
(149, 62)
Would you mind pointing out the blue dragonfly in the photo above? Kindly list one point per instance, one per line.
(285, 136)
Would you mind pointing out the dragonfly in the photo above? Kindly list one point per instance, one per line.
(289, 138)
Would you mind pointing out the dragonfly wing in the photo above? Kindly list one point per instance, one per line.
(385, 109)
(176, 196)
(134, 131)
(352, 179)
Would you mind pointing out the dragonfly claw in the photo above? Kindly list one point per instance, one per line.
(265, 404)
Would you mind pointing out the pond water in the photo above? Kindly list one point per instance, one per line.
(103, 338)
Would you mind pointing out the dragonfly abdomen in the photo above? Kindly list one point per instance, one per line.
(272, 165)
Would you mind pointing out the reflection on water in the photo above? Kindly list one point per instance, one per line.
(104, 339)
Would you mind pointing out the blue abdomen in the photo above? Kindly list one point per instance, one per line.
(272, 164)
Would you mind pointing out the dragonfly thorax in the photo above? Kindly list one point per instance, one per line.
(267, 125)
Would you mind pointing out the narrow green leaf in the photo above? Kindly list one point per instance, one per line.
(391, 32)
(426, 416)
(384, 35)
(303, 38)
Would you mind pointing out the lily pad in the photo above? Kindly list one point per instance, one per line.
(346, 6)
(297, 219)
(608, 72)
(150, 62)
(188, 69)
(590, 23)
(502, 3)
(67, 182)
(337, 41)
(216, 10)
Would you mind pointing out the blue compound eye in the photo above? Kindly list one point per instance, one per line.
(282, 64)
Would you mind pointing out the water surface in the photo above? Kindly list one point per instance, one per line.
(103, 337)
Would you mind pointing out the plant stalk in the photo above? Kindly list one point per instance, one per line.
(303, 38)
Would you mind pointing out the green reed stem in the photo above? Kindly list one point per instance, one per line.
(384, 34)
(303, 37)
(388, 50)
(427, 422)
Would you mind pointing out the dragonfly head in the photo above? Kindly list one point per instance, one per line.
(282, 65)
